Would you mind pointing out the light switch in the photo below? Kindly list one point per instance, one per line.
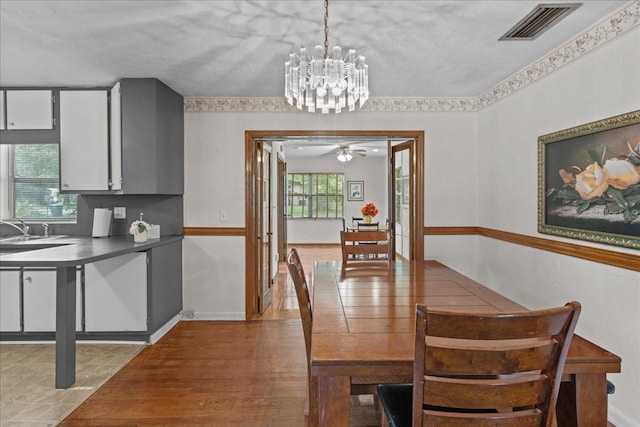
(120, 213)
(223, 215)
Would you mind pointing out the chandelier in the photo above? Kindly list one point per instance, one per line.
(323, 83)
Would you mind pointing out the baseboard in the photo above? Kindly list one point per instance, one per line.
(154, 337)
(619, 419)
(203, 315)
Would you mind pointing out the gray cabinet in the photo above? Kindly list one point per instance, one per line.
(165, 284)
(152, 126)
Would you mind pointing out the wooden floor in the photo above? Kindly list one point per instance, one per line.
(219, 373)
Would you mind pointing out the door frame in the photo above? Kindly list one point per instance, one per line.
(280, 212)
(252, 204)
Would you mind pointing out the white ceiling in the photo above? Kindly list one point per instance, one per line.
(420, 48)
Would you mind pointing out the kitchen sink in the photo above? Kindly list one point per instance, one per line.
(14, 239)
(15, 244)
(18, 239)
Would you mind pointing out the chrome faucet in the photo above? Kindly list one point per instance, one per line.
(24, 230)
(46, 229)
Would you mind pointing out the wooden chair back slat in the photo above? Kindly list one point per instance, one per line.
(522, 391)
(496, 358)
(528, 418)
(371, 226)
(501, 326)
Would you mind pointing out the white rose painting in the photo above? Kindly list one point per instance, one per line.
(589, 183)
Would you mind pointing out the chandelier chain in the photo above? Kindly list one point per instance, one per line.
(326, 29)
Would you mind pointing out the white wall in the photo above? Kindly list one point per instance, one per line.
(603, 83)
(371, 170)
(213, 285)
(213, 277)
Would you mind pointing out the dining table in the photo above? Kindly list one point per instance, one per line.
(363, 333)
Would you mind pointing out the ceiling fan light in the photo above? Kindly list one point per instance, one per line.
(342, 157)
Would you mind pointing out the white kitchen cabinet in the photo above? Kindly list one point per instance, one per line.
(84, 140)
(39, 287)
(9, 300)
(116, 294)
(29, 109)
(2, 122)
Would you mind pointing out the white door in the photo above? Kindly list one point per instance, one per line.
(2, 124)
(29, 109)
(10, 301)
(40, 301)
(116, 294)
(84, 140)
(115, 142)
(402, 202)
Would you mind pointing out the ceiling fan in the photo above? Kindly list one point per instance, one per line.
(345, 153)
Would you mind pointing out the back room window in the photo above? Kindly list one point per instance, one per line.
(315, 195)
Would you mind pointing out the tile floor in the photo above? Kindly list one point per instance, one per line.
(27, 393)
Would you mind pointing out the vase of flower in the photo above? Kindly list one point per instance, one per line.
(141, 236)
(368, 211)
(140, 230)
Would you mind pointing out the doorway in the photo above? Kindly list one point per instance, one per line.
(409, 145)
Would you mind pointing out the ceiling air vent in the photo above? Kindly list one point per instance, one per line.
(540, 19)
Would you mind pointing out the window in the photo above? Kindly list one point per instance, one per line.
(315, 195)
(30, 181)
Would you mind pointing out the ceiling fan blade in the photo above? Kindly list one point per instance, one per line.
(359, 153)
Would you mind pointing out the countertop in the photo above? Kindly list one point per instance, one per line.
(74, 250)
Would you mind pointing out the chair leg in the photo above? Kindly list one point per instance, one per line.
(306, 399)
(384, 422)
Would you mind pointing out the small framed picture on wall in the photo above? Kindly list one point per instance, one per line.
(355, 190)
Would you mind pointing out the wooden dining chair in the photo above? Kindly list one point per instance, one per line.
(360, 247)
(306, 314)
(483, 369)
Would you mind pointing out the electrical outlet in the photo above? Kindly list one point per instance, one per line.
(120, 213)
